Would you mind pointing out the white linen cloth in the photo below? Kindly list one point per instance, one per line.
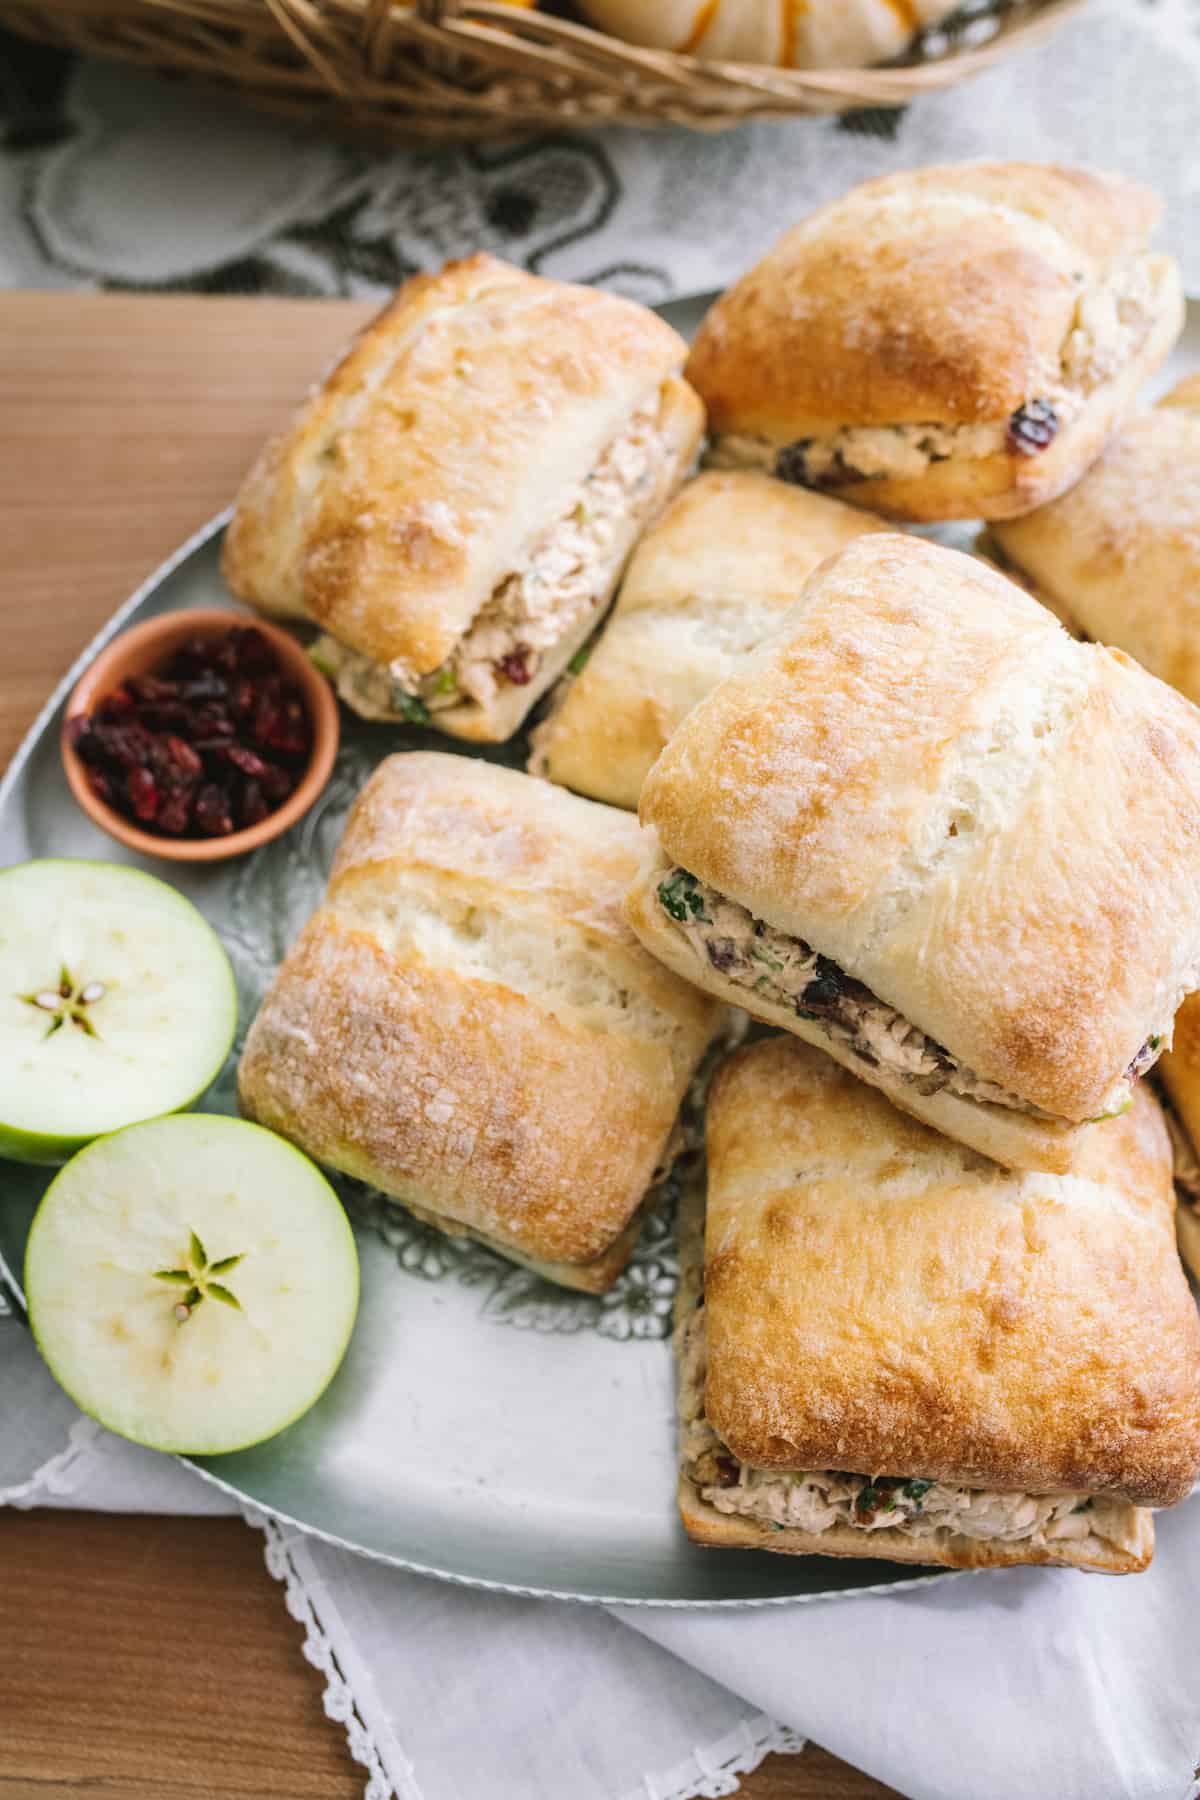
(1020, 1685)
(1003, 1685)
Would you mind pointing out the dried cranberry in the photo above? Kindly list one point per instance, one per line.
(825, 989)
(246, 760)
(195, 653)
(148, 690)
(277, 784)
(117, 705)
(266, 719)
(175, 812)
(253, 805)
(1032, 428)
(170, 715)
(84, 741)
(212, 812)
(174, 748)
(791, 464)
(142, 789)
(283, 726)
(515, 668)
(129, 745)
(208, 685)
(254, 653)
(727, 1472)
(184, 757)
(722, 953)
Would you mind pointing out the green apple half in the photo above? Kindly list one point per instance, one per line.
(192, 1282)
(117, 1003)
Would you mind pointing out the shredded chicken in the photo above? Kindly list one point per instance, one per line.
(570, 572)
(1110, 323)
(787, 972)
(861, 452)
(817, 1500)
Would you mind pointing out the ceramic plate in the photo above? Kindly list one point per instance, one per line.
(485, 1426)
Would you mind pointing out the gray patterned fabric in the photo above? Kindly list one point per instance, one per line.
(112, 177)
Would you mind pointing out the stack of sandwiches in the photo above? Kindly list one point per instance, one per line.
(941, 850)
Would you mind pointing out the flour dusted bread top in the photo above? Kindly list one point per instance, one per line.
(417, 476)
(1120, 552)
(993, 827)
(879, 1299)
(467, 1023)
(706, 584)
(939, 294)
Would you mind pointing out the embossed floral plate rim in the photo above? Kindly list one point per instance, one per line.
(781, 1581)
(686, 1577)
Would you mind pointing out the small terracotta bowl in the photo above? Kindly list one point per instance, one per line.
(144, 648)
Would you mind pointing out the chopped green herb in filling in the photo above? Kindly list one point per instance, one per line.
(680, 896)
(408, 707)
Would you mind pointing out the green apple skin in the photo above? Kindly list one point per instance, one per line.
(173, 1445)
(47, 1150)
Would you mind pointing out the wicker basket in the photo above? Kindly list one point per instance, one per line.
(455, 69)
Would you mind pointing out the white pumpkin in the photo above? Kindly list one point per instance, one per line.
(796, 34)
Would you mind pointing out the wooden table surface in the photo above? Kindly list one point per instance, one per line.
(151, 1657)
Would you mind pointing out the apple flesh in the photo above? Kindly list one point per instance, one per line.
(192, 1283)
(117, 1003)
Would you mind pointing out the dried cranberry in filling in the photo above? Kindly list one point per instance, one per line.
(1032, 428)
(827, 985)
(791, 464)
(515, 668)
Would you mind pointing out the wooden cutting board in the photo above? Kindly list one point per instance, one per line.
(147, 1657)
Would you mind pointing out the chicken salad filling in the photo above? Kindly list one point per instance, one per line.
(1110, 323)
(817, 1500)
(570, 572)
(785, 971)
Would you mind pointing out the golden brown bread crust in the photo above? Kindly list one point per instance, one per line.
(706, 584)
(1179, 1067)
(1121, 551)
(1179, 1071)
(951, 1550)
(994, 828)
(1185, 393)
(943, 295)
(878, 1299)
(416, 477)
(1187, 1235)
(467, 1024)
